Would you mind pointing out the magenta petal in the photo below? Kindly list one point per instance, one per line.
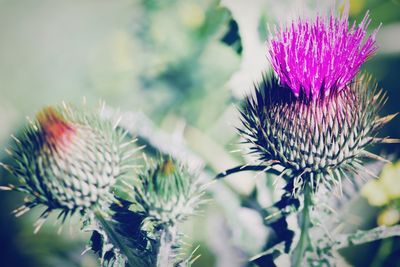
(322, 56)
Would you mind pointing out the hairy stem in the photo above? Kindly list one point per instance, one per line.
(304, 241)
(165, 254)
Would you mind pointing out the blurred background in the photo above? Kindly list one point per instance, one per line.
(179, 68)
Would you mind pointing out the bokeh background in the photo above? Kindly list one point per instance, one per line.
(180, 68)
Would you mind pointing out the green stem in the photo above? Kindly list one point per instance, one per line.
(132, 260)
(304, 241)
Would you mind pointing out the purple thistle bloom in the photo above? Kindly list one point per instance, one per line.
(320, 57)
(322, 135)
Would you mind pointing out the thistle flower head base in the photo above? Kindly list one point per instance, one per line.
(316, 142)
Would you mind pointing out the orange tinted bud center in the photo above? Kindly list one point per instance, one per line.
(168, 167)
(55, 128)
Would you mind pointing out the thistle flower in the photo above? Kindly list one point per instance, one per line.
(313, 119)
(68, 159)
(320, 57)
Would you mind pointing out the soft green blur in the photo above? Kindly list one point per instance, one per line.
(185, 64)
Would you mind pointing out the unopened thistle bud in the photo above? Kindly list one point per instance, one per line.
(316, 118)
(166, 193)
(68, 159)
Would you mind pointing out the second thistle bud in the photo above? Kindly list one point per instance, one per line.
(166, 193)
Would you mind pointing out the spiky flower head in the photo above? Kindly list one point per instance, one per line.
(313, 119)
(166, 193)
(320, 57)
(68, 159)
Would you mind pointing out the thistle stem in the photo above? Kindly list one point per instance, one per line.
(304, 241)
(167, 241)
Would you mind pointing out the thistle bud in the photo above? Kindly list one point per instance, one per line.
(68, 159)
(166, 193)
